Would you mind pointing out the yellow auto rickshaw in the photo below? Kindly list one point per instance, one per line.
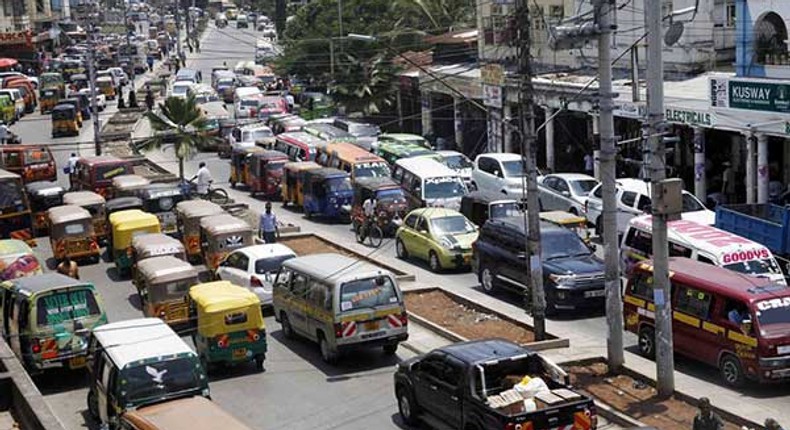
(240, 164)
(188, 215)
(48, 99)
(105, 85)
(292, 183)
(124, 226)
(71, 233)
(221, 234)
(575, 223)
(96, 205)
(163, 284)
(129, 185)
(64, 121)
(230, 326)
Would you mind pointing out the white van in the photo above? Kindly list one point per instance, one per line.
(703, 243)
(245, 92)
(429, 183)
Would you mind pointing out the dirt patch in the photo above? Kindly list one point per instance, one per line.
(470, 322)
(635, 398)
(306, 245)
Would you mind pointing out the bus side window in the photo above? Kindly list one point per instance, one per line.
(706, 260)
(693, 302)
(640, 241)
(677, 250)
(642, 286)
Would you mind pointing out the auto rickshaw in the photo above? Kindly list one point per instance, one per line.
(230, 326)
(291, 187)
(161, 200)
(42, 196)
(106, 86)
(64, 121)
(96, 205)
(391, 204)
(17, 260)
(122, 204)
(150, 245)
(221, 234)
(79, 81)
(163, 284)
(239, 164)
(71, 233)
(73, 101)
(327, 192)
(54, 81)
(48, 99)
(575, 223)
(125, 225)
(265, 172)
(129, 185)
(188, 215)
(479, 206)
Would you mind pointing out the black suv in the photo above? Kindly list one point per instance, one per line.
(572, 276)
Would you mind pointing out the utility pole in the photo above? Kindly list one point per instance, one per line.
(88, 12)
(177, 13)
(129, 44)
(654, 129)
(529, 156)
(608, 151)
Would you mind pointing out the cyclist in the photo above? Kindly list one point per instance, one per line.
(369, 214)
(204, 180)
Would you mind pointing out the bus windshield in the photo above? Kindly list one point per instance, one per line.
(160, 379)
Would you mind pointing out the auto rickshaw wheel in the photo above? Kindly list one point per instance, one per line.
(93, 405)
(205, 364)
(287, 330)
(259, 362)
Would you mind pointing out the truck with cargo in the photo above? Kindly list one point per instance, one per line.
(767, 224)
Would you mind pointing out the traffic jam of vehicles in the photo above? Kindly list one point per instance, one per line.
(206, 278)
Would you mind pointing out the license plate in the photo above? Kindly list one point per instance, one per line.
(783, 350)
(371, 325)
(239, 353)
(77, 362)
(594, 293)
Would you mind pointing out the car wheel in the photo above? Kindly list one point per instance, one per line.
(329, 356)
(288, 331)
(390, 349)
(400, 249)
(647, 342)
(731, 371)
(259, 362)
(407, 408)
(487, 280)
(433, 262)
(93, 405)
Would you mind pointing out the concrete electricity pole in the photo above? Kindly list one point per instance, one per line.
(177, 13)
(654, 129)
(88, 19)
(614, 304)
(529, 154)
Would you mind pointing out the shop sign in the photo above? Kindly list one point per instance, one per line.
(750, 95)
(630, 110)
(492, 96)
(493, 74)
(689, 117)
(15, 38)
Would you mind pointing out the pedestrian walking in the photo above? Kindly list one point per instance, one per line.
(197, 45)
(71, 168)
(69, 268)
(589, 164)
(268, 225)
(149, 98)
(3, 133)
(706, 419)
(150, 61)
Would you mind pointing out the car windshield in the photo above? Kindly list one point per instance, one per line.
(774, 311)
(270, 264)
(66, 305)
(582, 187)
(180, 89)
(371, 170)
(334, 185)
(395, 194)
(755, 267)
(35, 156)
(456, 162)
(503, 210)
(561, 244)
(443, 188)
(367, 293)
(250, 102)
(513, 168)
(364, 130)
(451, 225)
(159, 379)
(227, 82)
(691, 204)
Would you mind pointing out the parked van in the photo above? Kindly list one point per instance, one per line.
(139, 362)
(703, 243)
(299, 146)
(341, 303)
(735, 322)
(354, 160)
(427, 182)
(241, 93)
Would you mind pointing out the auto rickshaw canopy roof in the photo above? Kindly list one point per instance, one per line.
(64, 109)
(44, 188)
(100, 159)
(375, 184)
(200, 412)
(198, 208)
(157, 244)
(223, 223)
(83, 198)
(132, 219)
(270, 154)
(298, 166)
(130, 181)
(67, 213)
(325, 173)
(30, 285)
(155, 191)
(215, 300)
(164, 269)
(121, 203)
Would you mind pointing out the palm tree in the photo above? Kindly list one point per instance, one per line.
(181, 123)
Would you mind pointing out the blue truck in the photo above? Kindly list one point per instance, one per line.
(767, 224)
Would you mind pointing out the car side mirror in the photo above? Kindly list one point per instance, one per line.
(566, 193)
(497, 173)
(422, 231)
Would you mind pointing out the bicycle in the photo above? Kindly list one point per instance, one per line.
(369, 231)
(214, 195)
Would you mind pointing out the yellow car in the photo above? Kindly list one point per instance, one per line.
(442, 237)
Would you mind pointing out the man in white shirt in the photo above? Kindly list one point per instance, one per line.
(369, 210)
(204, 179)
(73, 158)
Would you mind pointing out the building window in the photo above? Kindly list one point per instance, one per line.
(730, 15)
(556, 13)
(770, 40)
(538, 20)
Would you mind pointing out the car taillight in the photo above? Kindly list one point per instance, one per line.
(338, 330)
(513, 426)
(94, 245)
(35, 346)
(222, 341)
(404, 318)
(255, 282)
(253, 335)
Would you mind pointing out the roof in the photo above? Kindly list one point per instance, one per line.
(200, 412)
(480, 351)
(223, 223)
(326, 172)
(156, 239)
(501, 156)
(45, 282)
(44, 188)
(198, 208)
(431, 213)
(517, 223)
(376, 182)
(67, 213)
(160, 190)
(426, 167)
(14, 247)
(572, 176)
(302, 165)
(5, 174)
(124, 202)
(301, 136)
(708, 238)
(334, 268)
(166, 268)
(222, 296)
(127, 342)
(403, 136)
(135, 218)
(720, 280)
(268, 250)
(80, 198)
(269, 154)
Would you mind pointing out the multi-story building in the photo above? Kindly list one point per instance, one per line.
(14, 16)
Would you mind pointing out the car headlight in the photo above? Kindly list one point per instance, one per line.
(561, 279)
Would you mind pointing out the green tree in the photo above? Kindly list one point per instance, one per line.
(180, 122)
(443, 15)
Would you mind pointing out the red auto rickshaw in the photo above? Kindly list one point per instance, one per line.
(265, 172)
(32, 162)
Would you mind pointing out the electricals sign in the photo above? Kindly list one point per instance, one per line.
(749, 94)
